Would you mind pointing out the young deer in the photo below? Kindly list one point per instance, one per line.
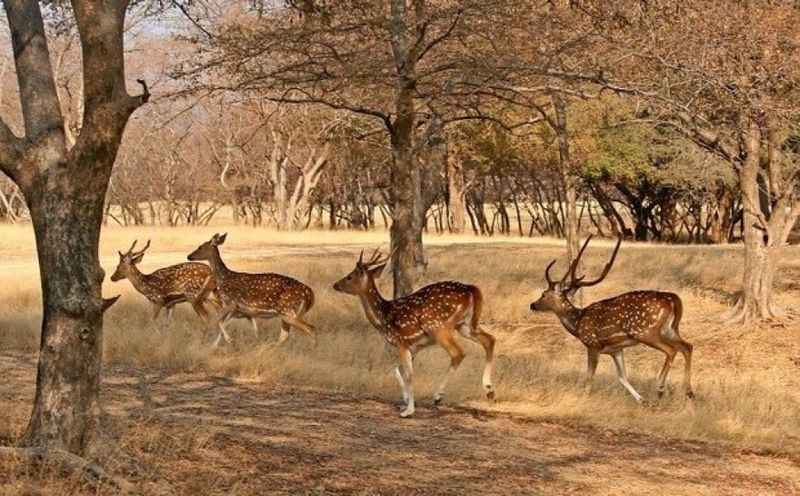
(431, 315)
(169, 286)
(252, 296)
(609, 326)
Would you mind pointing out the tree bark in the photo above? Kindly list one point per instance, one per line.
(66, 221)
(456, 193)
(406, 188)
(406, 230)
(65, 191)
(759, 262)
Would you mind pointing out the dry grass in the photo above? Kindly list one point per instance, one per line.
(745, 379)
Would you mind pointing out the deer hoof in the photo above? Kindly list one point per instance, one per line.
(490, 396)
(690, 394)
(407, 413)
(437, 400)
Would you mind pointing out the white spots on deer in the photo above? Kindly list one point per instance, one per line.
(431, 314)
(253, 296)
(168, 286)
(608, 326)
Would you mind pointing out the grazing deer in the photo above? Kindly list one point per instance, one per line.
(609, 326)
(251, 296)
(169, 286)
(431, 315)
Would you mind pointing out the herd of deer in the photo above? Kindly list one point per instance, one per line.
(435, 314)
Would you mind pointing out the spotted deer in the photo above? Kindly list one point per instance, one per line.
(169, 286)
(432, 315)
(609, 326)
(252, 296)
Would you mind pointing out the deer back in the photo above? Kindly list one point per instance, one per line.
(421, 313)
(636, 316)
(185, 279)
(274, 293)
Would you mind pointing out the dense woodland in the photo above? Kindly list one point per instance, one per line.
(202, 147)
(658, 120)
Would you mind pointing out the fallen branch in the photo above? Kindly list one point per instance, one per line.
(89, 472)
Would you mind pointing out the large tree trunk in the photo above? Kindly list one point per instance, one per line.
(67, 222)
(65, 190)
(759, 261)
(406, 230)
(406, 188)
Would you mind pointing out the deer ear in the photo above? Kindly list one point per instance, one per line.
(138, 258)
(220, 238)
(376, 272)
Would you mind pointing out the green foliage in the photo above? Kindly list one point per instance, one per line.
(630, 150)
(623, 152)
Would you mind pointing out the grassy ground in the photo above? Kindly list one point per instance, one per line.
(745, 378)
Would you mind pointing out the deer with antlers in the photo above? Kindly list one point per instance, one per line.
(609, 326)
(167, 287)
(252, 296)
(431, 315)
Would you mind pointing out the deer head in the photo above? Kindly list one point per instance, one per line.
(128, 260)
(206, 250)
(556, 298)
(363, 276)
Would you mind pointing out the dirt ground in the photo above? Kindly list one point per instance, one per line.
(192, 434)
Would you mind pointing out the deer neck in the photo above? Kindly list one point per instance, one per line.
(139, 280)
(570, 317)
(374, 307)
(218, 267)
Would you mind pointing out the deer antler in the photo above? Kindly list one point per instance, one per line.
(146, 246)
(547, 274)
(574, 265)
(579, 283)
(130, 250)
(375, 259)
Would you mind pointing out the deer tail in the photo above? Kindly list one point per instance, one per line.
(477, 307)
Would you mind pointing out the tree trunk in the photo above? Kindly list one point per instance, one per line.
(67, 222)
(65, 191)
(406, 230)
(406, 188)
(569, 183)
(456, 190)
(759, 264)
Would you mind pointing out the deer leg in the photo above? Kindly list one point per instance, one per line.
(487, 341)
(686, 350)
(592, 357)
(619, 362)
(668, 348)
(157, 310)
(169, 313)
(399, 375)
(284, 335)
(223, 318)
(447, 341)
(200, 309)
(299, 323)
(255, 327)
(662, 376)
(407, 371)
